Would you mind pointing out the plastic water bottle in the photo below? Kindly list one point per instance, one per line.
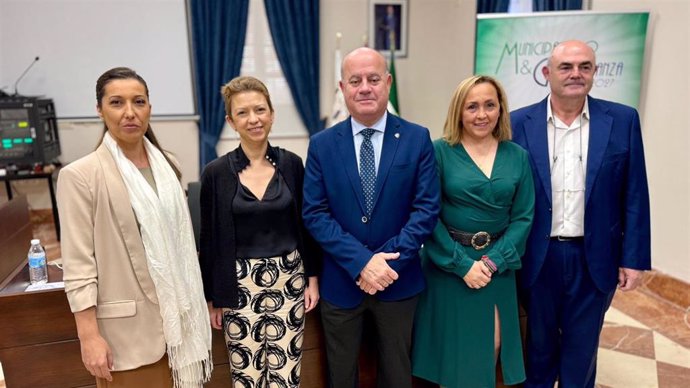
(38, 272)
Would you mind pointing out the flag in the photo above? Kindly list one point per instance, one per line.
(339, 111)
(393, 95)
(393, 106)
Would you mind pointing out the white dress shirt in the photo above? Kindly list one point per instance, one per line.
(376, 139)
(568, 147)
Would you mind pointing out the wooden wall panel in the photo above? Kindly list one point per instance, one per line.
(15, 237)
(50, 365)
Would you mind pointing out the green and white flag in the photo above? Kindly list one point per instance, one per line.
(393, 106)
(339, 111)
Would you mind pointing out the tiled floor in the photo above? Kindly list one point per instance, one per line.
(631, 354)
(645, 342)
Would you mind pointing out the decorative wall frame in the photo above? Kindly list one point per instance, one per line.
(388, 23)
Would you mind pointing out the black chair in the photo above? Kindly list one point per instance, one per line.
(193, 193)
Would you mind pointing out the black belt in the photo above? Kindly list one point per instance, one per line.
(478, 241)
(567, 238)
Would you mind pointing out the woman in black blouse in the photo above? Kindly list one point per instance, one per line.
(258, 263)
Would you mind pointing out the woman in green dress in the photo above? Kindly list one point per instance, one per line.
(468, 315)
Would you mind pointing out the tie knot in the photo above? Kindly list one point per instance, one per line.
(368, 133)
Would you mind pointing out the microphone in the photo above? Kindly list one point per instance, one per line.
(16, 93)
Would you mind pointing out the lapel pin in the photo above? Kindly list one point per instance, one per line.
(397, 135)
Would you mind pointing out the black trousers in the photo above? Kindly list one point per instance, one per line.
(343, 332)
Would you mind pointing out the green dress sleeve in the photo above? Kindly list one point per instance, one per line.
(446, 253)
(506, 252)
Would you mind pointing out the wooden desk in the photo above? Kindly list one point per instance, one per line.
(36, 175)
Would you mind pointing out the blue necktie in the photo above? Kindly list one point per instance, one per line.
(367, 168)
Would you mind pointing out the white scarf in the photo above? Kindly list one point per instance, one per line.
(166, 230)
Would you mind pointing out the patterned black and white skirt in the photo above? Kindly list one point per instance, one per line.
(264, 333)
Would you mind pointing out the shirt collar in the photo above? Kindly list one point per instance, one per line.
(379, 126)
(241, 161)
(549, 113)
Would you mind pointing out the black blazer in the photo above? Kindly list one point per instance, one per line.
(217, 249)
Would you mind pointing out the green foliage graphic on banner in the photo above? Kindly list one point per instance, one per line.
(516, 48)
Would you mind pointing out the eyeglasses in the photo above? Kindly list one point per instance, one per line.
(562, 164)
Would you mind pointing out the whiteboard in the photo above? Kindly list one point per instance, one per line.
(78, 40)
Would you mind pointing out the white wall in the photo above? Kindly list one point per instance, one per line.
(666, 128)
(77, 40)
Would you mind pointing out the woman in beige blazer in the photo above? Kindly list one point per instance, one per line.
(130, 267)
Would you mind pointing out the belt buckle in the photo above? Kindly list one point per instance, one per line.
(484, 236)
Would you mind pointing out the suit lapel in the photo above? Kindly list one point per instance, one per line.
(599, 132)
(346, 148)
(537, 142)
(124, 216)
(388, 151)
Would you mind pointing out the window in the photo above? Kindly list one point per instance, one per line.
(259, 60)
(520, 6)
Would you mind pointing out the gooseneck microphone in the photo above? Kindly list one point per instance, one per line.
(16, 92)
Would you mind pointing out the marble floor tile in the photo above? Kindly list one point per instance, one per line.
(613, 315)
(626, 339)
(656, 313)
(668, 288)
(622, 370)
(670, 352)
(671, 376)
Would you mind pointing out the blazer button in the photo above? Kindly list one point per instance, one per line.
(365, 219)
(549, 209)
(548, 236)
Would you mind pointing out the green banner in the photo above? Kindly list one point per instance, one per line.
(514, 49)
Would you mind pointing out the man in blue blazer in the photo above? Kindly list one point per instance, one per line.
(371, 198)
(591, 221)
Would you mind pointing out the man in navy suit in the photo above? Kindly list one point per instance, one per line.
(371, 198)
(591, 222)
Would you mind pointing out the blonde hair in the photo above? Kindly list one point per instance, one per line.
(243, 84)
(453, 128)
